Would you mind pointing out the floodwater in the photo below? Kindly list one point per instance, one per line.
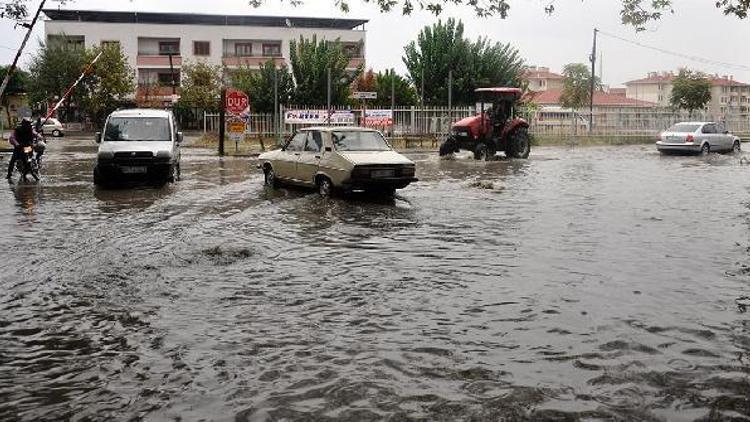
(582, 284)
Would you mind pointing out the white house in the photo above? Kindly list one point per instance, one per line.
(157, 44)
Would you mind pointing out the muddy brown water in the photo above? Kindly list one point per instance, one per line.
(581, 284)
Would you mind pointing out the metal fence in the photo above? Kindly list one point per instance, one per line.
(436, 122)
(411, 121)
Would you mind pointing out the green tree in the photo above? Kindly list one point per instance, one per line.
(576, 92)
(109, 85)
(310, 60)
(442, 48)
(53, 69)
(18, 84)
(690, 91)
(201, 86)
(632, 12)
(405, 93)
(258, 85)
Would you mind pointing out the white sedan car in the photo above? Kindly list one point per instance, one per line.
(697, 137)
(53, 127)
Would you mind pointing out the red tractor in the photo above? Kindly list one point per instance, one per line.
(494, 129)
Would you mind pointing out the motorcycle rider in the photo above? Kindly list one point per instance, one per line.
(24, 135)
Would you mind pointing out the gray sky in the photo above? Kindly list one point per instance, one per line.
(696, 29)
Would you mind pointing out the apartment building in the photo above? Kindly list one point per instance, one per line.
(541, 79)
(728, 96)
(158, 44)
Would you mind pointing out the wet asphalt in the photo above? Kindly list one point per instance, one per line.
(598, 283)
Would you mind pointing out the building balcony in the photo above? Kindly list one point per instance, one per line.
(252, 61)
(155, 92)
(157, 61)
(355, 62)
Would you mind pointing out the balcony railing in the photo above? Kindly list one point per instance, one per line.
(156, 60)
(155, 91)
(250, 60)
(354, 62)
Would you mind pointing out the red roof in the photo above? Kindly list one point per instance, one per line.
(669, 77)
(601, 98)
(516, 91)
(541, 74)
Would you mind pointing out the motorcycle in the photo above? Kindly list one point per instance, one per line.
(28, 164)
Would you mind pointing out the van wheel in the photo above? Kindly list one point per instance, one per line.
(98, 181)
(737, 147)
(269, 177)
(325, 186)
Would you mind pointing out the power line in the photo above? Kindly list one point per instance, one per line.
(681, 55)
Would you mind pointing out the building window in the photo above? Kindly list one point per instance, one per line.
(272, 50)
(169, 47)
(661, 98)
(111, 44)
(243, 49)
(165, 78)
(351, 50)
(201, 48)
(723, 100)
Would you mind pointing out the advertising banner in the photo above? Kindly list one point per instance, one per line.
(318, 117)
(378, 118)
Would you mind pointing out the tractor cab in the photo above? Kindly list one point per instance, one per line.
(494, 128)
(498, 107)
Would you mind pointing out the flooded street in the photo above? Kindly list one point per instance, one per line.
(601, 283)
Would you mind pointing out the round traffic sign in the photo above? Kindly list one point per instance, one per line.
(237, 102)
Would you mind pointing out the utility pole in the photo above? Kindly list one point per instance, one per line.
(276, 104)
(12, 67)
(328, 109)
(222, 119)
(593, 82)
(171, 73)
(393, 101)
(450, 96)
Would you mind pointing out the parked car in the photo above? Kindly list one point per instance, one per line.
(697, 137)
(53, 127)
(138, 143)
(344, 159)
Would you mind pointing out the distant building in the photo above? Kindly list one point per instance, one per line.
(603, 101)
(620, 92)
(153, 42)
(541, 79)
(728, 96)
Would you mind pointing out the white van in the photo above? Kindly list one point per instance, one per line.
(138, 144)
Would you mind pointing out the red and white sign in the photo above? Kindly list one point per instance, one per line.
(237, 102)
(378, 118)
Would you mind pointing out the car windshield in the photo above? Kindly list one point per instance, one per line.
(684, 127)
(137, 129)
(359, 140)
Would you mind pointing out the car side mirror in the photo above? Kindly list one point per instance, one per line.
(98, 137)
(328, 149)
(180, 137)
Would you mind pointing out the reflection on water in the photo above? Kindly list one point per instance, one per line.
(582, 284)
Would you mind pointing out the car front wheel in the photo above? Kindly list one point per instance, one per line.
(737, 147)
(56, 133)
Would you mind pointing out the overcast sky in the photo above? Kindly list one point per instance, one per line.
(696, 28)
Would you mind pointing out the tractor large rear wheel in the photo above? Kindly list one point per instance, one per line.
(449, 146)
(519, 144)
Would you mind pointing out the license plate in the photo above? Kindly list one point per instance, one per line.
(134, 170)
(676, 139)
(382, 173)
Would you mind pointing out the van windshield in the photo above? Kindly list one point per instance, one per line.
(137, 129)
